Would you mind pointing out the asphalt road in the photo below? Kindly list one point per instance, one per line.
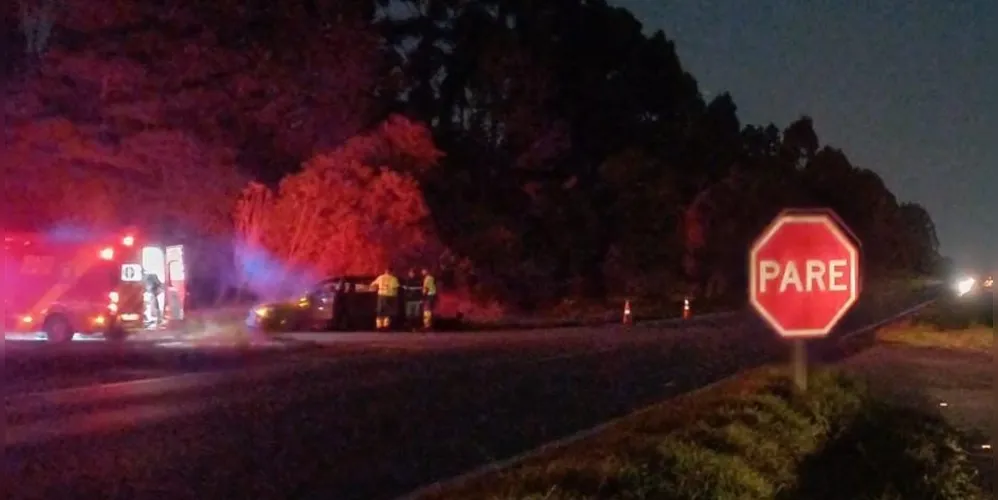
(361, 416)
(347, 416)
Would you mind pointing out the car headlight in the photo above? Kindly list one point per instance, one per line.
(262, 312)
(964, 286)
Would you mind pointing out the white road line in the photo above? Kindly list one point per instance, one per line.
(109, 420)
(152, 386)
(139, 414)
(192, 381)
(459, 340)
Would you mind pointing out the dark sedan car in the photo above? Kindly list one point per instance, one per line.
(340, 303)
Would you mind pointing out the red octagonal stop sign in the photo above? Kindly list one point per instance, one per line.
(804, 274)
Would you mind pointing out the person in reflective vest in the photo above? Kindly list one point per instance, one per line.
(429, 298)
(388, 290)
(412, 290)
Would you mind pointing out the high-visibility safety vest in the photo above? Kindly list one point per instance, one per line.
(388, 285)
(429, 285)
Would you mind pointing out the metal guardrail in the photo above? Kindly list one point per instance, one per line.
(880, 324)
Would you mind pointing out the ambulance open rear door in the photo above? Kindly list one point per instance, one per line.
(176, 281)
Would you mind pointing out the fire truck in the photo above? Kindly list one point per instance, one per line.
(59, 284)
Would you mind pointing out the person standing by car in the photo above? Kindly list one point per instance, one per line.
(339, 305)
(429, 290)
(413, 292)
(153, 289)
(388, 290)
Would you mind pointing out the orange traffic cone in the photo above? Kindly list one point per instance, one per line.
(628, 319)
(687, 312)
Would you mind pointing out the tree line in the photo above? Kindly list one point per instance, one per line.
(529, 151)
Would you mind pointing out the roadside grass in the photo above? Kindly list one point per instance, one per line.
(891, 452)
(749, 437)
(955, 323)
(572, 312)
(977, 338)
(881, 297)
(958, 313)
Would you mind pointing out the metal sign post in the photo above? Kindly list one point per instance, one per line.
(804, 276)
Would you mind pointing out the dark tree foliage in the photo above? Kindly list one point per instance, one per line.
(569, 128)
(579, 157)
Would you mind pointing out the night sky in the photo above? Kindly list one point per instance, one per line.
(908, 88)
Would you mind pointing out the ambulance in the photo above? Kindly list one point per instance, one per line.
(61, 284)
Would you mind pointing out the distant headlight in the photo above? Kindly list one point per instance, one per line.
(964, 286)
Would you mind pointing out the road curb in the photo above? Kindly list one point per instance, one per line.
(495, 466)
(880, 324)
(462, 479)
(859, 340)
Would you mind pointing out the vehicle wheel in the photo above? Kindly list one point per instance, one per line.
(335, 324)
(58, 330)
